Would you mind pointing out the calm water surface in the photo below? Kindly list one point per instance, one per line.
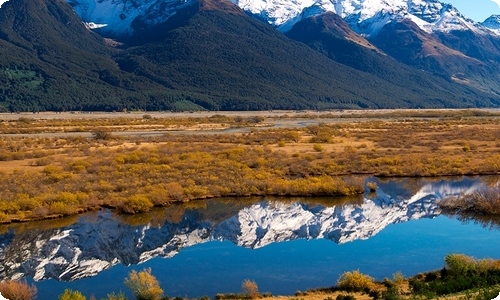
(211, 247)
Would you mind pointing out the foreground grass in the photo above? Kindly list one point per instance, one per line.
(46, 176)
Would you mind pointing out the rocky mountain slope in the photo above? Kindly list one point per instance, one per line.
(425, 34)
(205, 55)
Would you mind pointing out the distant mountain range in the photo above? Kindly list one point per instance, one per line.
(244, 55)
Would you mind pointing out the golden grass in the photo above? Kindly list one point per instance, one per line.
(199, 161)
(322, 296)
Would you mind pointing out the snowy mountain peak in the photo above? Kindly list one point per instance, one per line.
(493, 24)
(367, 17)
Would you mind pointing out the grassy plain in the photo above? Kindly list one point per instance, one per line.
(62, 164)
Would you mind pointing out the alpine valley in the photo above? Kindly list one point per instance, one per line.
(244, 55)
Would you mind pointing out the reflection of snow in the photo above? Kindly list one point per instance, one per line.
(84, 249)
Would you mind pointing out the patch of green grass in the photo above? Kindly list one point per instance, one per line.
(185, 105)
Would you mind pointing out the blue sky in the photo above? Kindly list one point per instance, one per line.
(477, 10)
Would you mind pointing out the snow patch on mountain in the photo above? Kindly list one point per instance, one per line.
(120, 17)
(92, 25)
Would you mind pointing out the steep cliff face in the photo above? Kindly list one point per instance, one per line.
(89, 246)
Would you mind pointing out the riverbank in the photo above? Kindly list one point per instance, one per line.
(64, 166)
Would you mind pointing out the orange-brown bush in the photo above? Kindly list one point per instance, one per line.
(250, 288)
(17, 290)
(143, 285)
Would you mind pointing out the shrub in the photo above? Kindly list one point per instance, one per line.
(392, 293)
(101, 134)
(250, 288)
(143, 285)
(318, 148)
(137, 204)
(372, 186)
(355, 282)
(485, 201)
(71, 295)
(17, 290)
(176, 191)
(459, 264)
(398, 278)
(119, 296)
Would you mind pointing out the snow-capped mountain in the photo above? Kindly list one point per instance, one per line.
(493, 23)
(87, 247)
(366, 17)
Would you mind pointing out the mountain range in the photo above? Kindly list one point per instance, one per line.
(244, 55)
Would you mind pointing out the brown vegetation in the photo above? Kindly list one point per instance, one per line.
(46, 176)
(143, 285)
(18, 290)
(250, 289)
(485, 202)
(355, 281)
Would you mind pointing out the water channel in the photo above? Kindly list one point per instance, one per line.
(285, 245)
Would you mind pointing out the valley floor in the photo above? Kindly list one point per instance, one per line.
(61, 164)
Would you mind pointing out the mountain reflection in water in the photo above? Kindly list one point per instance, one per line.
(89, 244)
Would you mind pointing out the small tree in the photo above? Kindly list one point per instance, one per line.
(355, 282)
(458, 264)
(143, 285)
(72, 295)
(250, 288)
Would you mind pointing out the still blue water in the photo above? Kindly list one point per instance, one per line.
(285, 245)
(287, 267)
